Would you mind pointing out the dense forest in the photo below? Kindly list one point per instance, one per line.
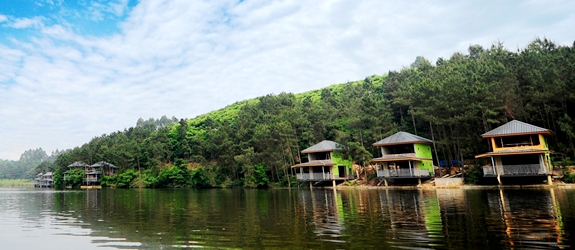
(254, 143)
(30, 162)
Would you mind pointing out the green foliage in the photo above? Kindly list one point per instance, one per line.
(371, 176)
(568, 178)
(108, 180)
(473, 175)
(260, 177)
(74, 178)
(124, 180)
(199, 178)
(177, 176)
(255, 142)
(59, 179)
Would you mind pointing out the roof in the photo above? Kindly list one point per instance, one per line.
(323, 146)
(402, 138)
(103, 164)
(399, 157)
(524, 151)
(315, 164)
(516, 127)
(78, 164)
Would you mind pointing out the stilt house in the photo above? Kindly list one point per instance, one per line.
(325, 163)
(518, 149)
(404, 155)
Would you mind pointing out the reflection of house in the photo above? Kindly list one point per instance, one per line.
(519, 149)
(404, 155)
(325, 163)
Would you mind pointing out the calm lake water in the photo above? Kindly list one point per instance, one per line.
(287, 219)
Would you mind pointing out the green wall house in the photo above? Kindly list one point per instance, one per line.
(404, 155)
(519, 150)
(325, 163)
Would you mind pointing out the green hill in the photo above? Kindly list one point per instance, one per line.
(254, 143)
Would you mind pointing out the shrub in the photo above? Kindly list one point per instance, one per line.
(568, 178)
(125, 179)
(74, 178)
(472, 175)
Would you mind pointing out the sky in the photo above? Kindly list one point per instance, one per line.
(74, 70)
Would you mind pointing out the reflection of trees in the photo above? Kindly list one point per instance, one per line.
(414, 217)
(532, 221)
(345, 219)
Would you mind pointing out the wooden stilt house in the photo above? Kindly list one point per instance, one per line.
(325, 163)
(518, 149)
(404, 155)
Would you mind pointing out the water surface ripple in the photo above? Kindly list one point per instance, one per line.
(286, 219)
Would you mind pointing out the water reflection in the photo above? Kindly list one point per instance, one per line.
(298, 219)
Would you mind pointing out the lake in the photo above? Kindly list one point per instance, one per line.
(287, 219)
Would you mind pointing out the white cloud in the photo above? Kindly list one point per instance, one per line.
(186, 58)
(3, 18)
(23, 23)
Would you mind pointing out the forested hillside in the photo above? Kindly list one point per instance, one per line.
(253, 143)
(30, 162)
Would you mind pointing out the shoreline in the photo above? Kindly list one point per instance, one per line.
(464, 187)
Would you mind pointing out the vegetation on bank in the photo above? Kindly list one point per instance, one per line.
(254, 143)
(4, 183)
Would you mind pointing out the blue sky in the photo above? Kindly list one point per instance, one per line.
(73, 70)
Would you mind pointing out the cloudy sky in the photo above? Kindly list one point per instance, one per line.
(73, 70)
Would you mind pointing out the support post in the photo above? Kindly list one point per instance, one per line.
(385, 180)
(499, 178)
(333, 183)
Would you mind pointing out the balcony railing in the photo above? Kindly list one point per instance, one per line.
(514, 170)
(319, 177)
(94, 179)
(402, 173)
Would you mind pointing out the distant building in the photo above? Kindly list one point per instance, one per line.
(404, 155)
(519, 150)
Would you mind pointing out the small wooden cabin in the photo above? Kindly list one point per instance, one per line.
(325, 163)
(518, 149)
(404, 155)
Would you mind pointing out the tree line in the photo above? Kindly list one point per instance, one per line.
(254, 143)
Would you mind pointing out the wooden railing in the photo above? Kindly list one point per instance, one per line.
(402, 172)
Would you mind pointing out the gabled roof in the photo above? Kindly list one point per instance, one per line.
(402, 138)
(516, 127)
(78, 164)
(323, 146)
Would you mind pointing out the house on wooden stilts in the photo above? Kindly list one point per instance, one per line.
(404, 156)
(518, 149)
(325, 163)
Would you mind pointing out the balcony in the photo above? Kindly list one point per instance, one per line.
(319, 177)
(403, 173)
(515, 170)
